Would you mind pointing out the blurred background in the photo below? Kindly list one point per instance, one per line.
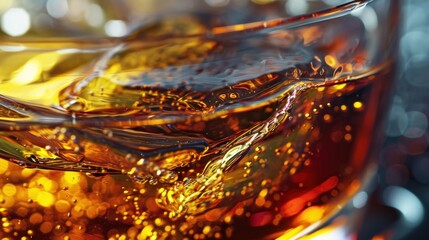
(399, 209)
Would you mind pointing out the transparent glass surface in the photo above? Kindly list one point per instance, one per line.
(207, 119)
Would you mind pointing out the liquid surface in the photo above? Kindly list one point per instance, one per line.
(197, 137)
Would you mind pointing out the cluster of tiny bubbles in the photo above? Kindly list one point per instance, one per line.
(144, 166)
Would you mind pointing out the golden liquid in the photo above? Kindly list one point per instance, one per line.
(185, 137)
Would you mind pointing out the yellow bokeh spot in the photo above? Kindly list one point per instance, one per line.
(9, 189)
(340, 86)
(145, 233)
(27, 172)
(33, 192)
(71, 177)
(310, 215)
(3, 166)
(357, 105)
(206, 229)
(158, 222)
(45, 199)
(46, 183)
(263, 193)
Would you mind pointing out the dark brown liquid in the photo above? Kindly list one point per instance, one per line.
(243, 138)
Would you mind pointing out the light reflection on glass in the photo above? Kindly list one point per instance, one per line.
(368, 17)
(408, 205)
(359, 201)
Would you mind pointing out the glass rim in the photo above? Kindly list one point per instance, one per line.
(16, 44)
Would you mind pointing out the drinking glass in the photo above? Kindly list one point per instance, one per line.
(188, 119)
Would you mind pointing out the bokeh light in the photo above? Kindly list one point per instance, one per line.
(57, 8)
(115, 28)
(15, 22)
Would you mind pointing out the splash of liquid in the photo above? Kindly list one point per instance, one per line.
(145, 91)
(195, 194)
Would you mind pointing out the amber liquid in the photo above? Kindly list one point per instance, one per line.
(193, 137)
